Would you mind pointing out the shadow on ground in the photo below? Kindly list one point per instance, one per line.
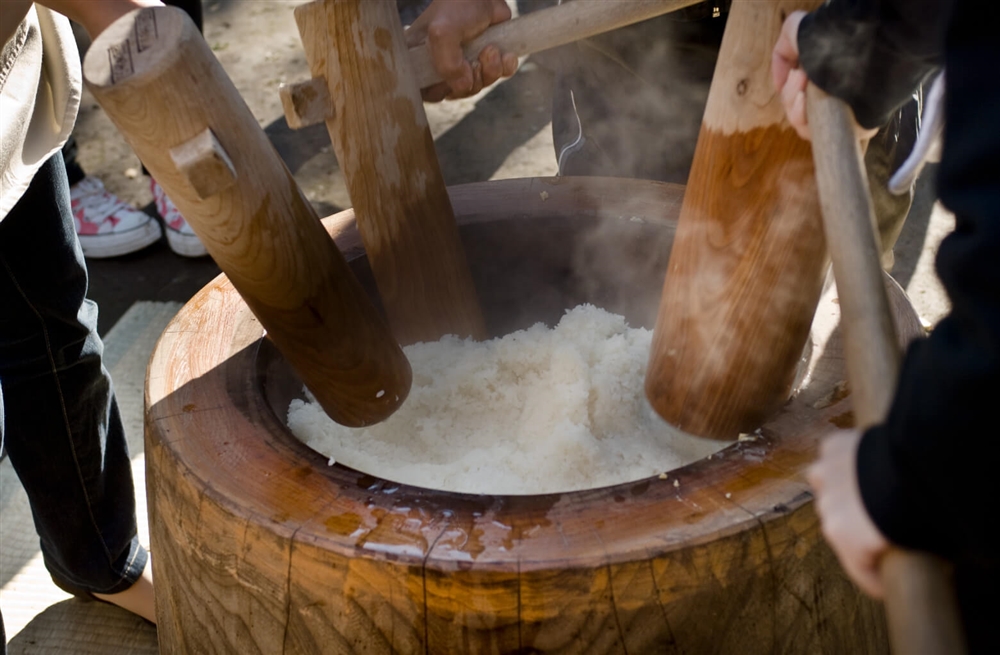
(85, 628)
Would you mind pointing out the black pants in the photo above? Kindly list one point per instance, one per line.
(58, 415)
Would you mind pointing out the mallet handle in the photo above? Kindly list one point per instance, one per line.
(549, 28)
(918, 595)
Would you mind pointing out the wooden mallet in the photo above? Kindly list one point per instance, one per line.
(160, 84)
(366, 87)
(747, 264)
(919, 600)
(386, 152)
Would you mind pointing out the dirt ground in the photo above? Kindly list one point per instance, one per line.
(503, 132)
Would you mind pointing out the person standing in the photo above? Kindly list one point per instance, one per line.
(59, 420)
(922, 479)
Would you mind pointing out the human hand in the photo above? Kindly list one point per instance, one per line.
(446, 25)
(846, 525)
(791, 81)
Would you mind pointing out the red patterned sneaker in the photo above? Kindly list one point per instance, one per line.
(106, 225)
(180, 237)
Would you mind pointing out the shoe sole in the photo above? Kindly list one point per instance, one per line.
(103, 246)
(185, 245)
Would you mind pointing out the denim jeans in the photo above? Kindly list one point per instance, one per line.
(58, 416)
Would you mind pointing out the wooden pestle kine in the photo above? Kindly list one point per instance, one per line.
(366, 87)
(160, 84)
(386, 152)
(747, 264)
(919, 599)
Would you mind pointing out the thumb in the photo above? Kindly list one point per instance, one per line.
(501, 12)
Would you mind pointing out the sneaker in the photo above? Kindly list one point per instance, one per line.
(180, 237)
(106, 225)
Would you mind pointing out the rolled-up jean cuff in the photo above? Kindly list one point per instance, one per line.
(125, 572)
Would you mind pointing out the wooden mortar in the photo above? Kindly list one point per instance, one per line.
(263, 548)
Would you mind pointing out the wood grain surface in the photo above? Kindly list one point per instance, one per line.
(263, 548)
(160, 84)
(747, 266)
(385, 149)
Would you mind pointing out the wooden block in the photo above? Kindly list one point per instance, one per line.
(306, 103)
(205, 164)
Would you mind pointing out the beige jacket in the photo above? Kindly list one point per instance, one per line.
(40, 86)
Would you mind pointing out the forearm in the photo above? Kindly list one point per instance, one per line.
(873, 53)
(12, 12)
(938, 442)
(96, 15)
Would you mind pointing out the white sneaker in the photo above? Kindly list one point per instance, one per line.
(106, 225)
(180, 237)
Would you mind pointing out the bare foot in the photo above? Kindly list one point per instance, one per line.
(138, 598)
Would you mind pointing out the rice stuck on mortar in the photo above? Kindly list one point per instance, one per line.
(538, 411)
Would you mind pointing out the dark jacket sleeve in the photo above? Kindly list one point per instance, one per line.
(873, 53)
(929, 474)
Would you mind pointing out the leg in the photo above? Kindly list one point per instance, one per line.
(62, 428)
(74, 172)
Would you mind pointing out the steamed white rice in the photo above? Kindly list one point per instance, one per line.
(537, 411)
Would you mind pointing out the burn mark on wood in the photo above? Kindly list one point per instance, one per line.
(844, 421)
(146, 31)
(120, 61)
